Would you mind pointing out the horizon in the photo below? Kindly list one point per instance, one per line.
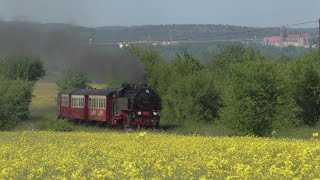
(141, 25)
(99, 13)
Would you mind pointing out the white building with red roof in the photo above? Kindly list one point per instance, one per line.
(298, 40)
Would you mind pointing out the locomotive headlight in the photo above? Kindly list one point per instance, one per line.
(139, 113)
(155, 113)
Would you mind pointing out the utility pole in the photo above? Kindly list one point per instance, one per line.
(282, 38)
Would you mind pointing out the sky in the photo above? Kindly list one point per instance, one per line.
(94, 13)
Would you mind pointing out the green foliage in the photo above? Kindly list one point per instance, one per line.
(256, 101)
(235, 54)
(72, 78)
(22, 68)
(304, 82)
(244, 89)
(15, 98)
(163, 75)
(61, 126)
(192, 98)
(185, 64)
(159, 73)
(160, 78)
(149, 57)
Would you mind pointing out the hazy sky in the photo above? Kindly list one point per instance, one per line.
(141, 12)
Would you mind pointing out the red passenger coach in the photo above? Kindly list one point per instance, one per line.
(64, 105)
(100, 105)
(79, 104)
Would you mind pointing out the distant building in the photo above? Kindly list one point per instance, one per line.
(298, 40)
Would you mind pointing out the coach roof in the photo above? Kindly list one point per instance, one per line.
(67, 91)
(101, 92)
(82, 92)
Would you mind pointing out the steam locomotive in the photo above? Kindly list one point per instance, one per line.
(132, 105)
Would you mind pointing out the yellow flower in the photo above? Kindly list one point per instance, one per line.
(143, 155)
(315, 135)
(142, 134)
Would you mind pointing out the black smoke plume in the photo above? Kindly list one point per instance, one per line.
(63, 46)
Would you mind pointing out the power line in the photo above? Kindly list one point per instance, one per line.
(215, 36)
(264, 29)
(302, 23)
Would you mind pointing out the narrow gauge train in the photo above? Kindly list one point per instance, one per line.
(132, 105)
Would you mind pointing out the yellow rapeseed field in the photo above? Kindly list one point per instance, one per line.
(144, 155)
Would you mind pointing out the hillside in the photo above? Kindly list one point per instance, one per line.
(186, 32)
(63, 45)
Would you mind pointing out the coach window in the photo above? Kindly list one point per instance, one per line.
(77, 102)
(74, 102)
(103, 103)
(95, 102)
(65, 100)
(100, 103)
(81, 102)
(90, 101)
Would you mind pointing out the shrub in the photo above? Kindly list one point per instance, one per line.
(256, 101)
(72, 78)
(192, 98)
(15, 98)
(22, 68)
(7, 121)
(304, 81)
(61, 126)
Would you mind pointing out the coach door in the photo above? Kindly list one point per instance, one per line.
(119, 105)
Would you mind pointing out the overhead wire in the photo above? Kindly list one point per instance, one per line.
(197, 40)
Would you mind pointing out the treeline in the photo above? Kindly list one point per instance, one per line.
(239, 87)
(17, 78)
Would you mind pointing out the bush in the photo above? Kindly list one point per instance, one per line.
(15, 98)
(304, 81)
(61, 126)
(192, 98)
(71, 79)
(7, 121)
(22, 68)
(257, 100)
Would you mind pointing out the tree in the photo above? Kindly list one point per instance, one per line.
(164, 75)
(235, 54)
(158, 71)
(72, 78)
(149, 58)
(220, 65)
(257, 99)
(304, 81)
(184, 65)
(192, 98)
(22, 68)
(15, 100)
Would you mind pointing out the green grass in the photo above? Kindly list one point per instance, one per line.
(43, 108)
